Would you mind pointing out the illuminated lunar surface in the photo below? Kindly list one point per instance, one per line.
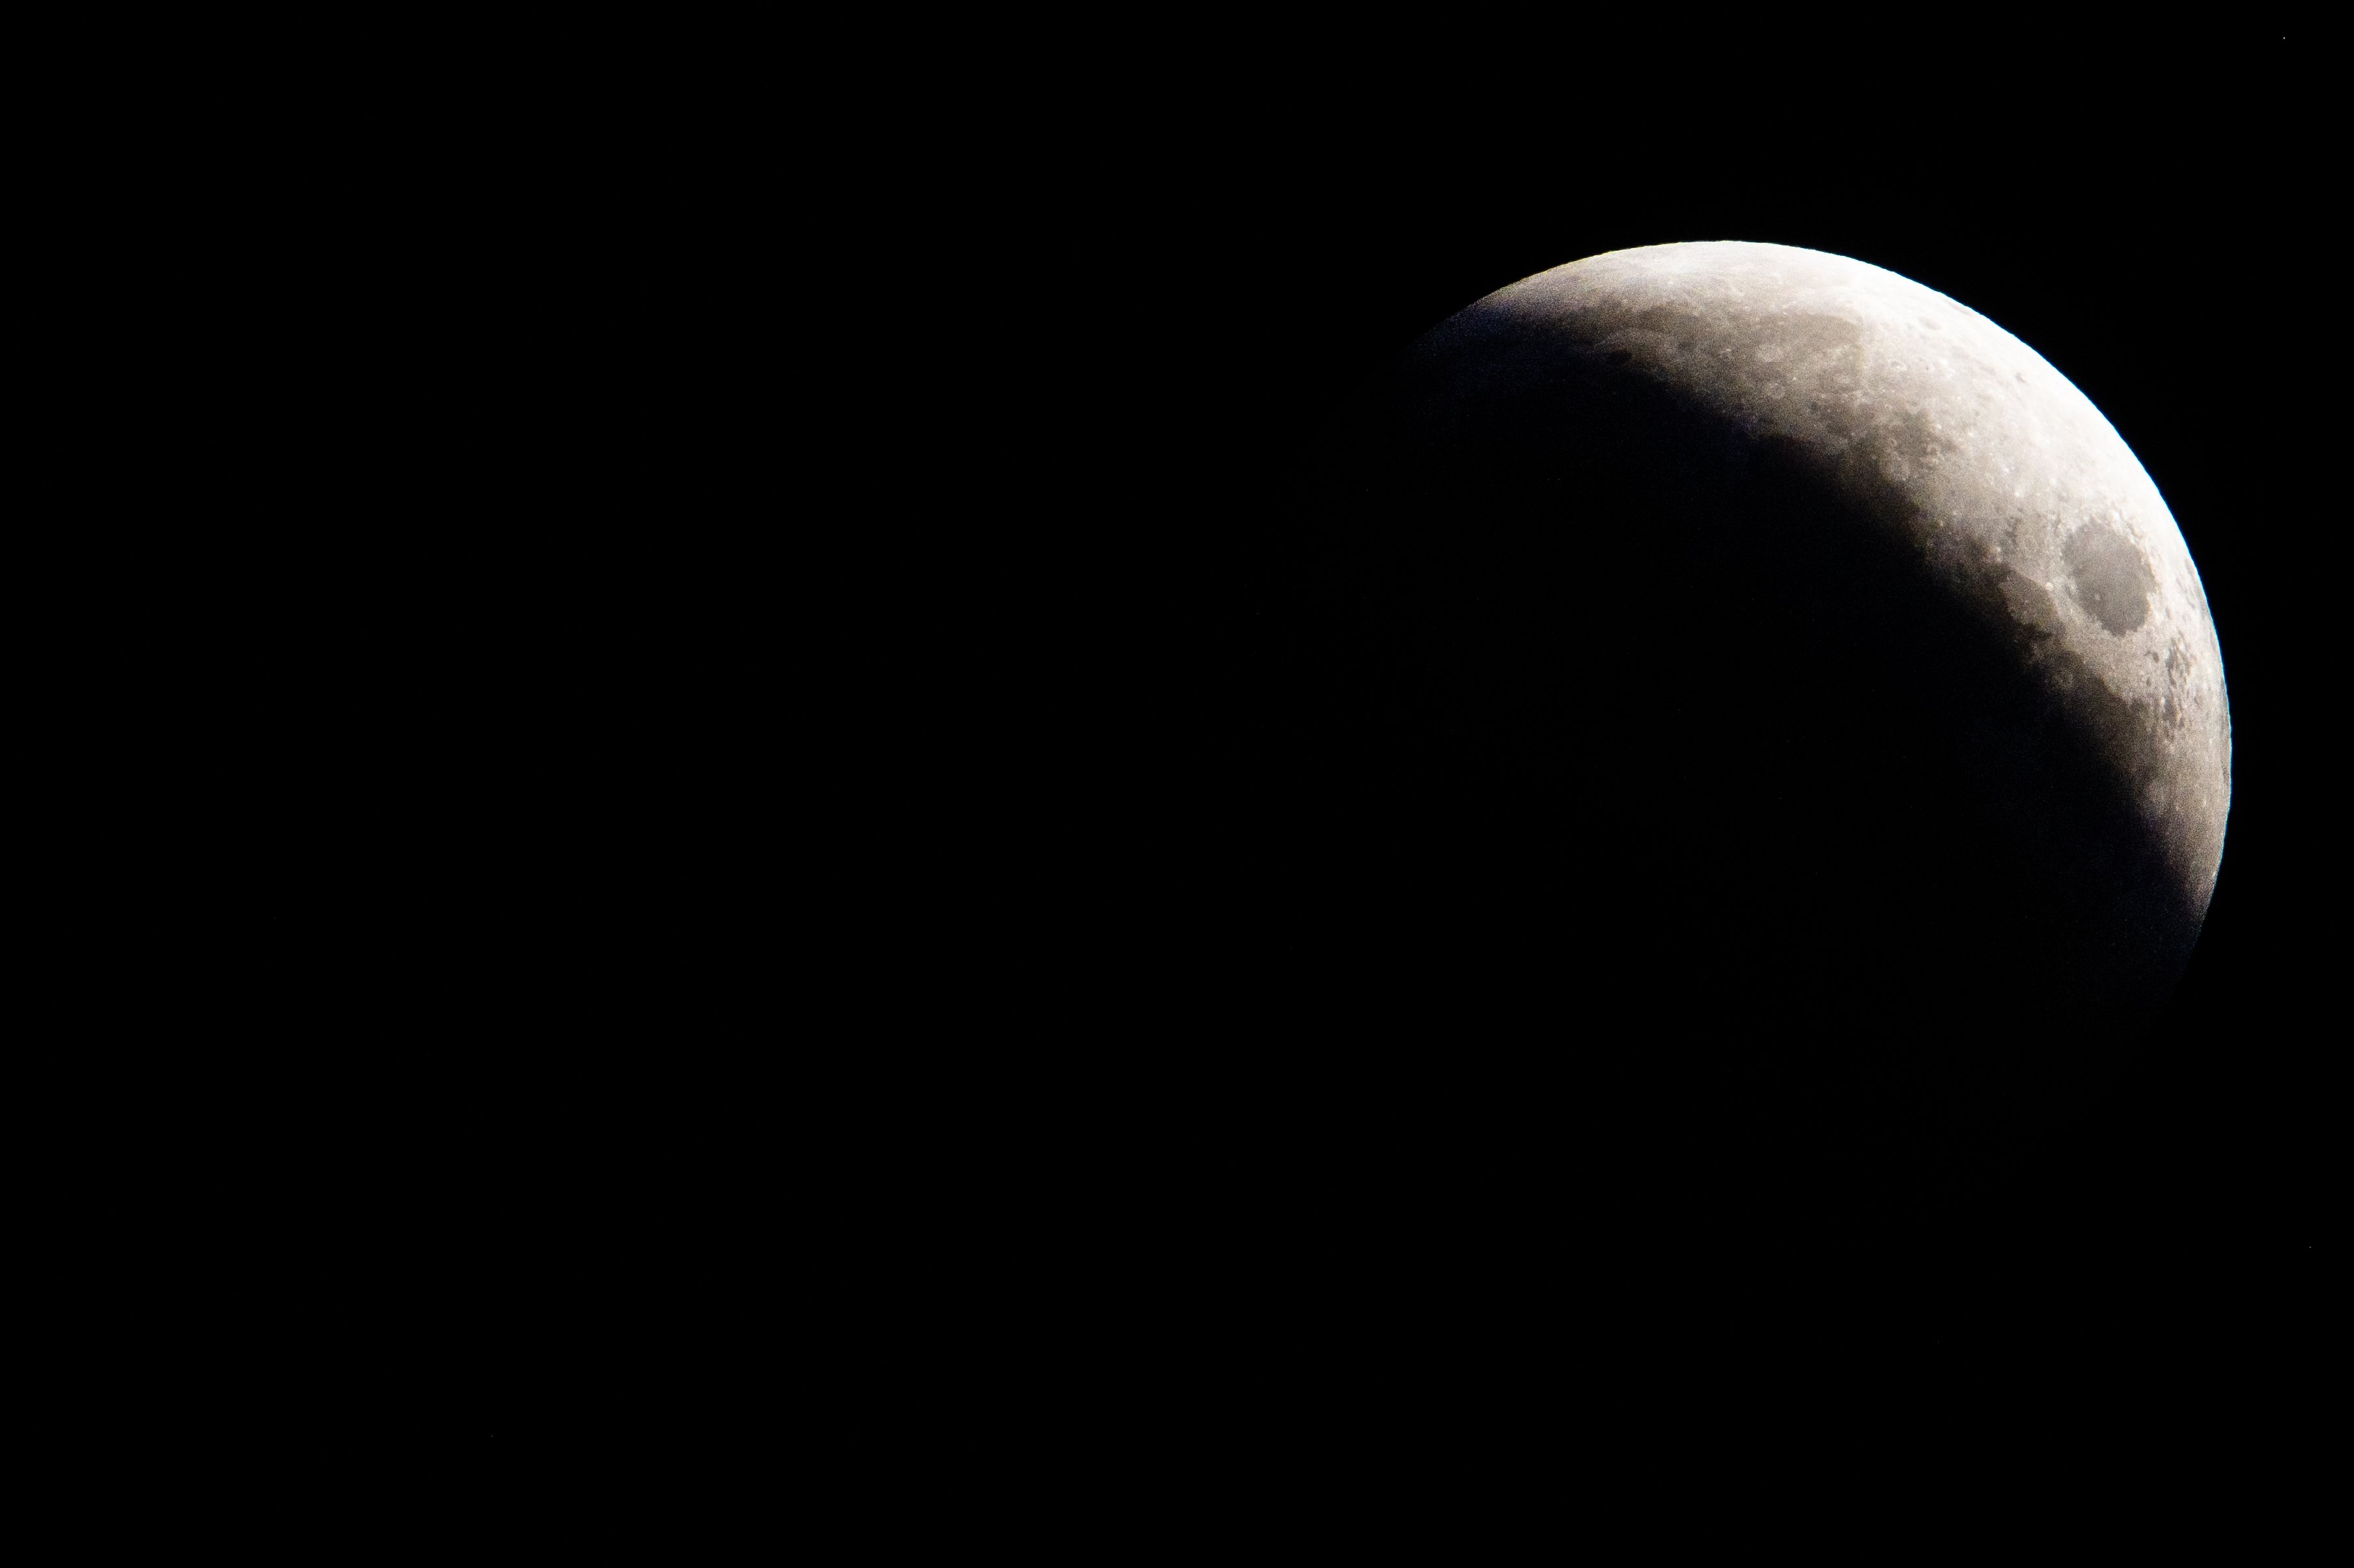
(1753, 422)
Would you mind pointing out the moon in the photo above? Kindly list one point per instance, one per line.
(1811, 633)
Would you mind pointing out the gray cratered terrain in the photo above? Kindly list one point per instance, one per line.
(1893, 639)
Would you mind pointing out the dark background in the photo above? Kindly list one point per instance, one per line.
(2154, 235)
(1102, 358)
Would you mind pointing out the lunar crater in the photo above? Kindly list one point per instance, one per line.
(2111, 578)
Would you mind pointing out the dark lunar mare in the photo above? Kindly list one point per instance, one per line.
(1630, 733)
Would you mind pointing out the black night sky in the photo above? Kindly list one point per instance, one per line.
(939, 595)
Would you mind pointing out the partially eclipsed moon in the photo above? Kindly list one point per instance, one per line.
(1777, 433)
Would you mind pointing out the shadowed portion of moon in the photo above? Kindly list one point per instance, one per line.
(1764, 631)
